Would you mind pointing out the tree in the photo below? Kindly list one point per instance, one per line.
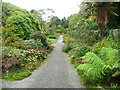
(64, 22)
(102, 9)
(116, 19)
(44, 16)
(54, 22)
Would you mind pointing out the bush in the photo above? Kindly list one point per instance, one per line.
(67, 48)
(19, 21)
(76, 53)
(28, 58)
(66, 38)
(9, 38)
(34, 58)
(52, 36)
(58, 31)
(11, 57)
(39, 36)
(47, 33)
(81, 50)
(32, 44)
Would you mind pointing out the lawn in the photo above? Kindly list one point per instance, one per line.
(16, 75)
(52, 41)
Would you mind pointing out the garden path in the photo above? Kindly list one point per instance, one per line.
(57, 72)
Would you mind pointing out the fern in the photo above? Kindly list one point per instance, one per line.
(97, 67)
(108, 54)
(92, 67)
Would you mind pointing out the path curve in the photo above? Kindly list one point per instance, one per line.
(57, 72)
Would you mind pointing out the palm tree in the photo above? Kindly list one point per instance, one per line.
(102, 9)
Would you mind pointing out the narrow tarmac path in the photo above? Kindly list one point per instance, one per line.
(57, 72)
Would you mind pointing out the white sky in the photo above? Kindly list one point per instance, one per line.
(61, 7)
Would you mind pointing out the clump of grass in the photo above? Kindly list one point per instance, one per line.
(16, 75)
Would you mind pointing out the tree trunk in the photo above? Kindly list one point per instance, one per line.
(101, 33)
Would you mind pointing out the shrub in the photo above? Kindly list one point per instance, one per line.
(47, 33)
(81, 50)
(67, 48)
(76, 53)
(9, 38)
(39, 36)
(27, 58)
(32, 44)
(58, 31)
(11, 57)
(52, 36)
(65, 38)
(19, 21)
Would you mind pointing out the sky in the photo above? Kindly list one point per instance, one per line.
(61, 7)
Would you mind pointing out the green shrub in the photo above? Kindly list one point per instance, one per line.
(31, 44)
(40, 36)
(97, 68)
(114, 86)
(27, 58)
(47, 33)
(81, 50)
(67, 48)
(65, 37)
(11, 57)
(52, 36)
(9, 38)
(19, 21)
(58, 31)
(9, 52)
(76, 53)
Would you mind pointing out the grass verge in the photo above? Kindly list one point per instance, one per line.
(16, 75)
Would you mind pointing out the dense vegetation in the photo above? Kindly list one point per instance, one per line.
(26, 40)
(90, 36)
(92, 41)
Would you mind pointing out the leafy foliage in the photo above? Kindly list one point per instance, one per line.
(97, 68)
(101, 62)
(76, 54)
(31, 44)
(81, 50)
(28, 58)
(23, 23)
(24, 43)
(66, 48)
(106, 42)
(9, 38)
